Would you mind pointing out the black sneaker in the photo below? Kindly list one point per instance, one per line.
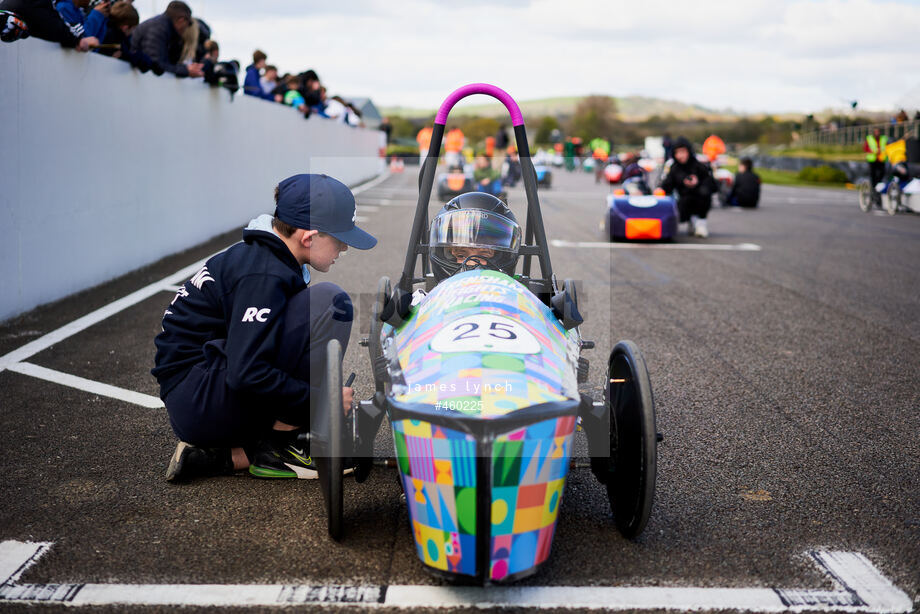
(283, 457)
(190, 461)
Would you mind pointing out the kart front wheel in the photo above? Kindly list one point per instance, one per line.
(633, 439)
(329, 460)
(893, 197)
(865, 196)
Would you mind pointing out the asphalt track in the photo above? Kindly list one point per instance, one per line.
(785, 378)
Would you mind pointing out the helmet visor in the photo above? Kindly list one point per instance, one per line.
(475, 228)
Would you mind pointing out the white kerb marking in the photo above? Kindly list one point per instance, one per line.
(863, 589)
(732, 247)
(17, 557)
(87, 385)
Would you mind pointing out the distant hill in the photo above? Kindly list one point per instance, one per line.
(631, 108)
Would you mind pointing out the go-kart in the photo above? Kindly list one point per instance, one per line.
(478, 376)
(456, 181)
(901, 192)
(544, 175)
(725, 179)
(635, 212)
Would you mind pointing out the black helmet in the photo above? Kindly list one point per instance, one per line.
(474, 220)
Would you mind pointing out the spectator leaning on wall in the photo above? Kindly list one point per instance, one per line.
(252, 86)
(123, 19)
(23, 18)
(93, 24)
(161, 39)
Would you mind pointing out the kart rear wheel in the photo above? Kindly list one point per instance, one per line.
(330, 459)
(893, 197)
(865, 196)
(633, 439)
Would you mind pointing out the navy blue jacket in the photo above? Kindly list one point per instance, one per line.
(239, 296)
(253, 84)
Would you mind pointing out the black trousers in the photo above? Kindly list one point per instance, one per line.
(205, 411)
(693, 203)
(876, 173)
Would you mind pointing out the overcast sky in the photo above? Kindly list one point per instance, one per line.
(749, 55)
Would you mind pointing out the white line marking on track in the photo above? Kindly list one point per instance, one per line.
(80, 324)
(15, 358)
(736, 247)
(862, 588)
(367, 185)
(87, 385)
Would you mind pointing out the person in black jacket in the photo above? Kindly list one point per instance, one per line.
(23, 18)
(746, 187)
(160, 38)
(243, 337)
(694, 185)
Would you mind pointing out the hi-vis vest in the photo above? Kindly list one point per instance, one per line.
(876, 148)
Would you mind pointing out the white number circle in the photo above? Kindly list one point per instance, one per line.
(485, 333)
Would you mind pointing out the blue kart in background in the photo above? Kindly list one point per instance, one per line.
(636, 213)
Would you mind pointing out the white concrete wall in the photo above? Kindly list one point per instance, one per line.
(104, 170)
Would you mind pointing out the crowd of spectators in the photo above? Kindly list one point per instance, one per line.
(173, 41)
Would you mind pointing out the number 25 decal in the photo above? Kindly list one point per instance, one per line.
(495, 326)
(485, 333)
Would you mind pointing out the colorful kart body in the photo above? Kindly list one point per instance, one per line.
(635, 215)
(479, 378)
(483, 379)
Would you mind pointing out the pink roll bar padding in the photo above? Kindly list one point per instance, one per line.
(517, 119)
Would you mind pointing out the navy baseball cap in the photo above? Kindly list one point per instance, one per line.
(319, 202)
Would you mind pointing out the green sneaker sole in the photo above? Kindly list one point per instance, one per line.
(265, 472)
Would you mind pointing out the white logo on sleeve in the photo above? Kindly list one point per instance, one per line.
(200, 277)
(256, 314)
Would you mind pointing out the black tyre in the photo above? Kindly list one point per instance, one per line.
(893, 198)
(633, 439)
(330, 458)
(384, 292)
(865, 196)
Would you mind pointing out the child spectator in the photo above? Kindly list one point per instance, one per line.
(161, 38)
(320, 107)
(23, 18)
(269, 81)
(252, 85)
(123, 19)
(343, 111)
(311, 89)
(94, 24)
(292, 97)
(487, 179)
(211, 51)
(746, 187)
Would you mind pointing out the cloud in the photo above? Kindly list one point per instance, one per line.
(759, 55)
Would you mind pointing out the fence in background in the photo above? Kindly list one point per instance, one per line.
(855, 135)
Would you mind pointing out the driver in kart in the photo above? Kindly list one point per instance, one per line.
(473, 230)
